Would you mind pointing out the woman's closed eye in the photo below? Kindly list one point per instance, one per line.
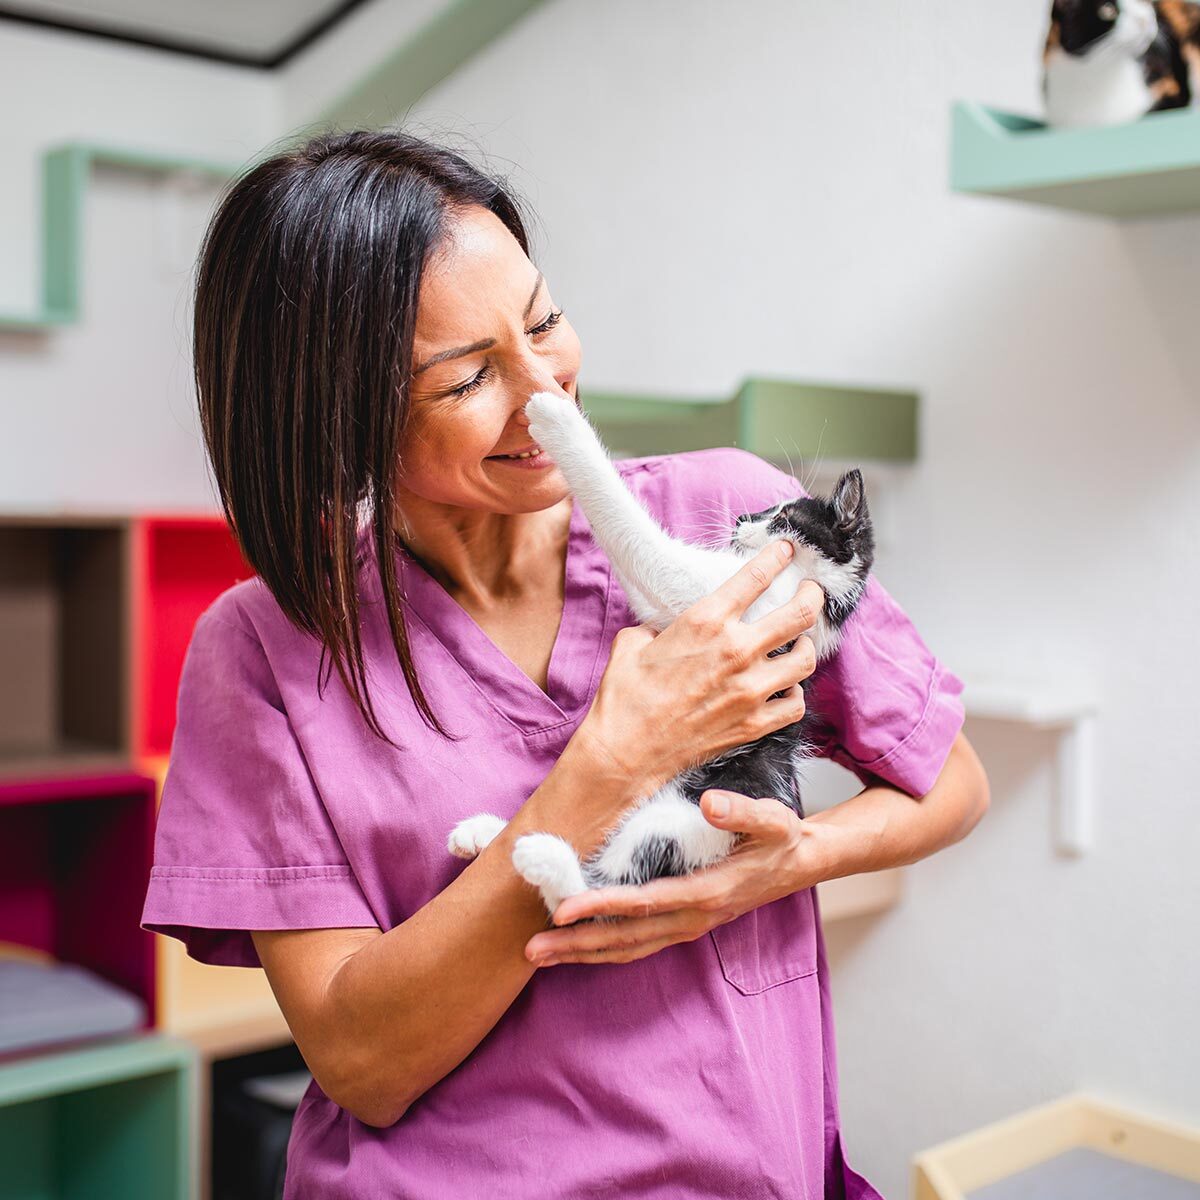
(485, 371)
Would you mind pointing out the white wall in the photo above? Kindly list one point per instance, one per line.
(727, 189)
(101, 414)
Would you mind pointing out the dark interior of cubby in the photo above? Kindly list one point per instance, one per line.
(189, 562)
(64, 645)
(75, 857)
(120, 1139)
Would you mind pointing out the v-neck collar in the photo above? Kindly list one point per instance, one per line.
(576, 659)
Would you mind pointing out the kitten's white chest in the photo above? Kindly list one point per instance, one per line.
(1095, 90)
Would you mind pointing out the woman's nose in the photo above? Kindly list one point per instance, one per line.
(554, 386)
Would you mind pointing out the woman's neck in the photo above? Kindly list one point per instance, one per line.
(484, 558)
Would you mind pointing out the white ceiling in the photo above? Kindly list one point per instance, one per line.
(263, 33)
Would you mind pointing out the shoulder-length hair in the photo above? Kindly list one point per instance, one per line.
(305, 309)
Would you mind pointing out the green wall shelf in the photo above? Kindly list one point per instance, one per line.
(390, 88)
(66, 173)
(1144, 168)
(773, 418)
(94, 1124)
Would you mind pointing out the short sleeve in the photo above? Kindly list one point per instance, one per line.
(243, 840)
(882, 704)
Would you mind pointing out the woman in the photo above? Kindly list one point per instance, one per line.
(368, 328)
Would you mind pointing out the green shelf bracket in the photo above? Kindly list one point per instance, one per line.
(1148, 167)
(66, 173)
(776, 419)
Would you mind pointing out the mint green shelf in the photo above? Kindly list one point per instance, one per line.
(113, 1120)
(66, 173)
(432, 52)
(773, 418)
(1148, 167)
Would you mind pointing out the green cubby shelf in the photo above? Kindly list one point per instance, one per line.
(112, 1120)
(1144, 168)
(776, 419)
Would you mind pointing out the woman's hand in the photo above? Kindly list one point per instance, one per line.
(779, 854)
(671, 700)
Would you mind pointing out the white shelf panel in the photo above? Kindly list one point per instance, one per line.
(1071, 712)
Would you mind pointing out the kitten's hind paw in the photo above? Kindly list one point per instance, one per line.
(472, 834)
(551, 865)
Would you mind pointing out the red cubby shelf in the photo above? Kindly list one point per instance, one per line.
(180, 565)
(75, 855)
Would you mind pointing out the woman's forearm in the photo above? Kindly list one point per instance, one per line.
(884, 827)
(409, 1005)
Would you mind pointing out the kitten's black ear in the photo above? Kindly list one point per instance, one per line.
(850, 499)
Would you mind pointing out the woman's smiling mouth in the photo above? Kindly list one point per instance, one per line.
(532, 457)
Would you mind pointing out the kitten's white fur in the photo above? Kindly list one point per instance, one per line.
(1105, 85)
(662, 577)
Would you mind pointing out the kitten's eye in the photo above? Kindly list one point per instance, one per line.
(1107, 12)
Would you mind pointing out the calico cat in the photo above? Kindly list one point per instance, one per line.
(1110, 61)
(665, 833)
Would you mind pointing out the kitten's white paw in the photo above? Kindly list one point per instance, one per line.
(551, 865)
(551, 418)
(472, 834)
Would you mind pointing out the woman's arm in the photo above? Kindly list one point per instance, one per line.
(381, 1017)
(884, 827)
(880, 827)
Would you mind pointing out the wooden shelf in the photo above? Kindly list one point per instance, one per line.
(773, 418)
(1043, 1151)
(859, 895)
(1144, 168)
(112, 1120)
(222, 1011)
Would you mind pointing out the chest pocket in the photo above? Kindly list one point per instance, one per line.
(769, 945)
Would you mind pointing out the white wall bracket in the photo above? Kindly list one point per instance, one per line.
(1074, 719)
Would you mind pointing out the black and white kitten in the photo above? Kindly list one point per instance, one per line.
(665, 833)
(1110, 61)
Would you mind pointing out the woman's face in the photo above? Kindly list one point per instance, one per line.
(488, 320)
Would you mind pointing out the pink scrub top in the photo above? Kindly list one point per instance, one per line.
(704, 1070)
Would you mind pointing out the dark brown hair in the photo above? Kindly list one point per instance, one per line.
(305, 309)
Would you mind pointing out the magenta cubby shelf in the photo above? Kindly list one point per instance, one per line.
(75, 855)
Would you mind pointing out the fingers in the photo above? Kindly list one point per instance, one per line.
(785, 670)
(657, 896)
(609, 954)
(759, 817)
(615, 942)
(800, 613)
(783, 711)
(753, 578)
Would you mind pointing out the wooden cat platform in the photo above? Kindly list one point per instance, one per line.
(1076, 1148)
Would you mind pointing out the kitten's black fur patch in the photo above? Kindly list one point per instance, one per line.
(656, 857)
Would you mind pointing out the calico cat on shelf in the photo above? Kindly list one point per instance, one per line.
(665, 833)
(1110, 61)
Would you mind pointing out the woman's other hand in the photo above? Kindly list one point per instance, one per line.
(780, 853)
(678, 698)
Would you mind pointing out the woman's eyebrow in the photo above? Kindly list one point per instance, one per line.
(487, 343)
